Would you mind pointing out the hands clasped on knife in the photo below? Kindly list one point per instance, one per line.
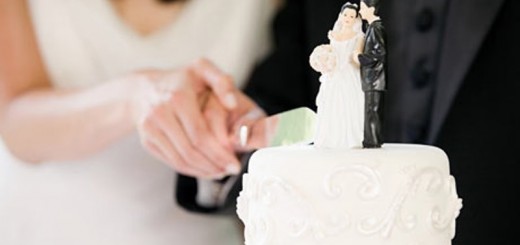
(191, 118)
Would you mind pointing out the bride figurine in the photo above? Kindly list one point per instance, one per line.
(340, 100)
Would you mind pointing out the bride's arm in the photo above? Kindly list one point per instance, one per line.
(46, 124)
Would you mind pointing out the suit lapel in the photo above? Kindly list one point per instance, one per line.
(467, 25)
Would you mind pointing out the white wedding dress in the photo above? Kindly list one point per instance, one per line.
(340, 100)
(122, 196)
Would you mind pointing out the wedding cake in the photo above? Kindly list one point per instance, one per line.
(336, 192)
(303, 195)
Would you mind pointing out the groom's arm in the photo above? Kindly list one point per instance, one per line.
(376, 52)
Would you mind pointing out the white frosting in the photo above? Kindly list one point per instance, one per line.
(396, 195)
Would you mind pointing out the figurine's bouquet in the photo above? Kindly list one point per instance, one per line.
(323, 59)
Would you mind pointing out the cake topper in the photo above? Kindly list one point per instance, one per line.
(340, 99)
(373, 67)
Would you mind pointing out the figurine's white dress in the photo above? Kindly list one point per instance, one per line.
(340, 100)
(122, 195)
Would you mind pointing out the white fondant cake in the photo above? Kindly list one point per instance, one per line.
(395, 195)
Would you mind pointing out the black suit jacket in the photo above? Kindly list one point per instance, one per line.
(475, 113)
(373, 58)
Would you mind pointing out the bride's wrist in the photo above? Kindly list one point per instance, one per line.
(128, 92)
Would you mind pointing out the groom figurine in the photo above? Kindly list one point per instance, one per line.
(373, 79)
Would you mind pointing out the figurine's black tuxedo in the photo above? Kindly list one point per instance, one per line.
(373, 80)
(475, 108)
(373, 58)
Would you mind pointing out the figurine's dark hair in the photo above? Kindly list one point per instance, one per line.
(372, 3)
(350, 5)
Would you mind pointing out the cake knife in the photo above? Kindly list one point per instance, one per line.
(296, 126)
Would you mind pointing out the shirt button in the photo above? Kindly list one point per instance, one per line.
(421, 75)
(425, 20)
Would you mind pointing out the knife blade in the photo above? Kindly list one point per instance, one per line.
(296, 126)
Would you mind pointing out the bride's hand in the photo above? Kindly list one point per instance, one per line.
(167, 112)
